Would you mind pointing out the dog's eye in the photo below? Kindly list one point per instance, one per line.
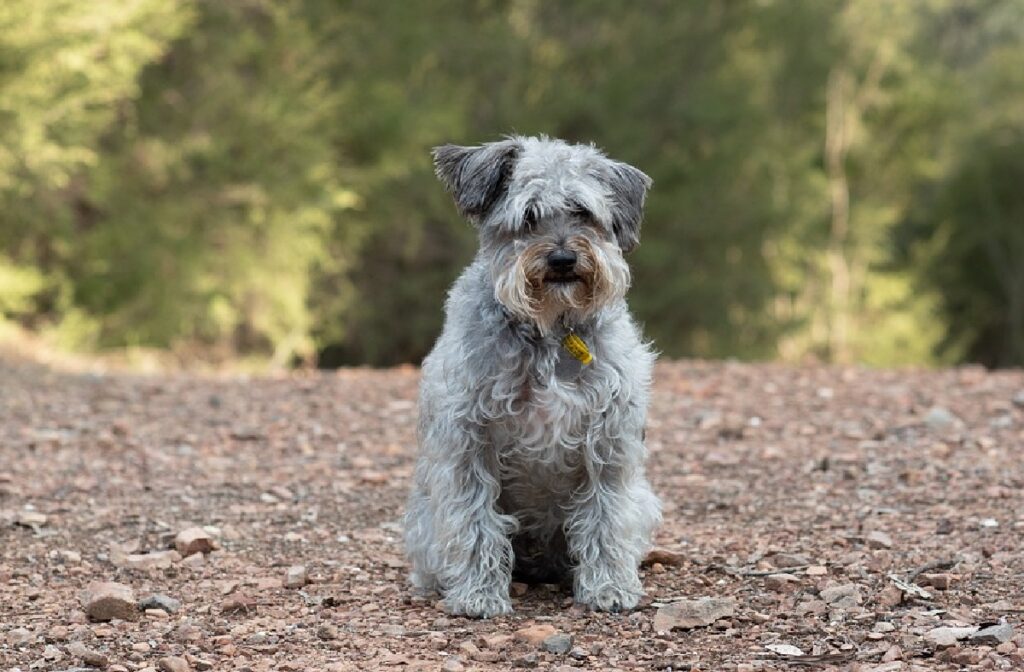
(581, 213)
(530, 221)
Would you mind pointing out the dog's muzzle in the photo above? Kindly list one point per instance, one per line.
(561, 266)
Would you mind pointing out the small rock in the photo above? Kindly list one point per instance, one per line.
(148, 561)
(579, 653)
(878, 540)
(327, 632)
(939, 418)
(495, 642)
(19, 636)
(518, 589)
(105, 601)
(893, 666)
(993, 634)
(693, 613)
(937, 581)
(890, 596)
(296, 577)
(88, 656)
(884, 626)
(1006, 648)
(781, 583)
(559, 643)
(784, 649)
(967, 657)
(174, 664)
(529, 660)
(817, 570)
(787, 560)
(159, 601)
(193, 540)
(453, 664)
(892, 653)
(237, 604)
(664, 557)
(843, 596)
(534, 634)
(947, 636)
(32, 519)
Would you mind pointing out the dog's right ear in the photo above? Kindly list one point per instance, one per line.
(476, 176)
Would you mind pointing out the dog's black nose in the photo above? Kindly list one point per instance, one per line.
(562, 261)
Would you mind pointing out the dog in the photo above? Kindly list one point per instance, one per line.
(533, 400)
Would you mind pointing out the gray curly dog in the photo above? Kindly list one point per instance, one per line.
(533, 400)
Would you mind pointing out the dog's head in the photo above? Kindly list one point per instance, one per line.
(555, 220)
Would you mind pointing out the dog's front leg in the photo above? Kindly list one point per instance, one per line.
(608, 530)
(472, 538)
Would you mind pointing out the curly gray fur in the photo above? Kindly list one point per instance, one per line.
(523, 466)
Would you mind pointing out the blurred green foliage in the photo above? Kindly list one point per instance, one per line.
(833, 179)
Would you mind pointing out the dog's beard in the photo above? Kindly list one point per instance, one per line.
(524, 286)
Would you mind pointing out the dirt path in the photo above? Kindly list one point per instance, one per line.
(805, 494)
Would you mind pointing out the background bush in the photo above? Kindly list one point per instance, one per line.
(838, 180)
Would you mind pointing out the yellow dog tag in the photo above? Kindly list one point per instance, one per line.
(575, 346)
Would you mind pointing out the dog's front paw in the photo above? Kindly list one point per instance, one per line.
(609, 598)
(478, 605)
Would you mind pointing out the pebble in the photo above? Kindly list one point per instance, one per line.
(174, 664)
(785, 649)
(878, 540)
(238, 603)
(32, 519)
(939, 418)
(842, 596)
(559, 643)
(993, 634)
(296, 577)
(453, 664)
(19, 636)
(817, 570)
(693, 613)
(149, 561)
(937, 581)
(105, 601)
(193, 540)
(327, 632)
(518, 589)
(947, 636)
(781, 583)
(495, 642)
(88, 656)
(159, 601)
(664, 556)
(534, 634)
(787, 560)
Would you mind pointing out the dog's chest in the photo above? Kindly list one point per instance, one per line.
(555, 420)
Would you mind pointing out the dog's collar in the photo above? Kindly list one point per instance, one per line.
(570, 340)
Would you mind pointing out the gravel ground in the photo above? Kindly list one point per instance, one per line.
(815, 518)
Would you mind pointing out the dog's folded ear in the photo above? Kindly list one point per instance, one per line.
(476, 176)
(628, 187)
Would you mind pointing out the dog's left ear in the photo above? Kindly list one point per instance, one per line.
(475, 176)
(628, 187)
